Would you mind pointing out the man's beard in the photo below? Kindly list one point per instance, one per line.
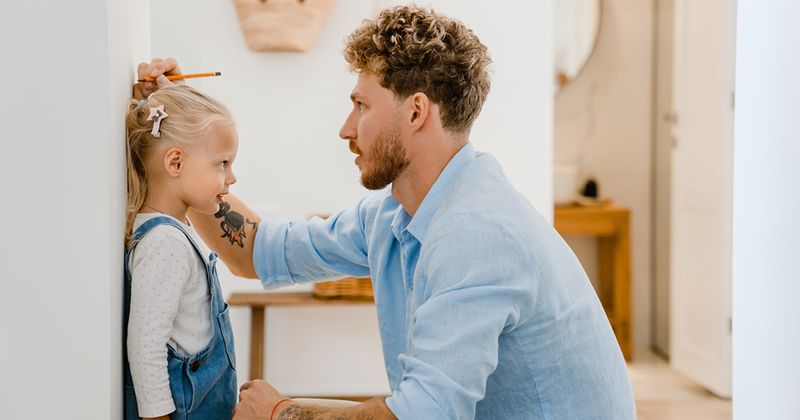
(386, 162)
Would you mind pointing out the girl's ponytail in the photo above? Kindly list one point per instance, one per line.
(137, 172)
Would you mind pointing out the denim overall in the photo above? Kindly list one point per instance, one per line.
(203, 385)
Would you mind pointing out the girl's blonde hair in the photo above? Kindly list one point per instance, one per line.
(191, 116)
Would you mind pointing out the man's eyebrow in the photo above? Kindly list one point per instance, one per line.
(354, 96)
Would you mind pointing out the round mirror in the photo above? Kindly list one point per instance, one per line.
(577, 23)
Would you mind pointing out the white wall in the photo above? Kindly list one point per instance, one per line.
(289, 108)
(603, 124)
(765, 208)
(67, 67)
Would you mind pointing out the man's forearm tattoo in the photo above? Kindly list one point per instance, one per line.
(233, 224)
(298, 412)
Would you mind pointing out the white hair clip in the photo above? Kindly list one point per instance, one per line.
(157, 114)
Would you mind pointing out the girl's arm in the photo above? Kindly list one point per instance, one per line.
(230, 233)
(160, 270)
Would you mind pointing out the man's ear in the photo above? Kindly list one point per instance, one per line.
(420, 108)
(173, 161)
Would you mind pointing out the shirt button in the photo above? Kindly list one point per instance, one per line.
(194, 366)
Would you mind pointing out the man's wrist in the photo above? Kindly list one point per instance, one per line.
(279, 407)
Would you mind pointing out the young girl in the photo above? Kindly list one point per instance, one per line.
(180, 360)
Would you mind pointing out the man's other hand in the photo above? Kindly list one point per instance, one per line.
(257, 399)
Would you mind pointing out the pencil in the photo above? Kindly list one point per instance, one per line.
(184, 76)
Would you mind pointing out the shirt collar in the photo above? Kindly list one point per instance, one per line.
(400, 221)
(418, 225)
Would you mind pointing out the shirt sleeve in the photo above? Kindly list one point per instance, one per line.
(301, 251)
(471, 294)
(160, 270)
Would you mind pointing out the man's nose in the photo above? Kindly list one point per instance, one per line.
(348, 130)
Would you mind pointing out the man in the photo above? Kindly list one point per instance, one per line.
(484, 312)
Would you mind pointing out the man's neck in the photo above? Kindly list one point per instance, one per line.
(410, 188)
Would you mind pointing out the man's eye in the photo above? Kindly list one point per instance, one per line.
(360, 106)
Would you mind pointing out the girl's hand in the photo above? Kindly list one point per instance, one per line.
(157, 418)
(157, 69)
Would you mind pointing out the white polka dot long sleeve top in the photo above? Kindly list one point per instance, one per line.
(170, 304)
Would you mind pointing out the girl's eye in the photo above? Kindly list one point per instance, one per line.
(224, 163)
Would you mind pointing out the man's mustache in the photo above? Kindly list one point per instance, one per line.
(354, 148)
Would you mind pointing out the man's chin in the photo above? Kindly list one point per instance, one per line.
(373, 184)
(373, 187)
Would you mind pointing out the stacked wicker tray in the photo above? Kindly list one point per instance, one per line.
(346, 288)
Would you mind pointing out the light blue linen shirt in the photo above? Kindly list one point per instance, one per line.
(484, 311)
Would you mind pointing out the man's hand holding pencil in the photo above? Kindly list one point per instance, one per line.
(161, 73)
(155, 76)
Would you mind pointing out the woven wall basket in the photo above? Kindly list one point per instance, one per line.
(282, 25)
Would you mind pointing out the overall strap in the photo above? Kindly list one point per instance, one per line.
(208, 261)
(147, 226)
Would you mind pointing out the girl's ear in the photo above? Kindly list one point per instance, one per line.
(173, 161)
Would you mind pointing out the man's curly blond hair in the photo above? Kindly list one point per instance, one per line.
(412, 49)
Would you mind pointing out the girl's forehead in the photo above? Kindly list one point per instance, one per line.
(223, 136)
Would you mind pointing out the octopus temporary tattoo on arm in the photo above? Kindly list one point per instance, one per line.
(233, 224)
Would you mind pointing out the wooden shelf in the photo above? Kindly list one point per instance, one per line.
(264, 299)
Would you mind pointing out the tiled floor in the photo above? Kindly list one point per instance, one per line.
(662, 394)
